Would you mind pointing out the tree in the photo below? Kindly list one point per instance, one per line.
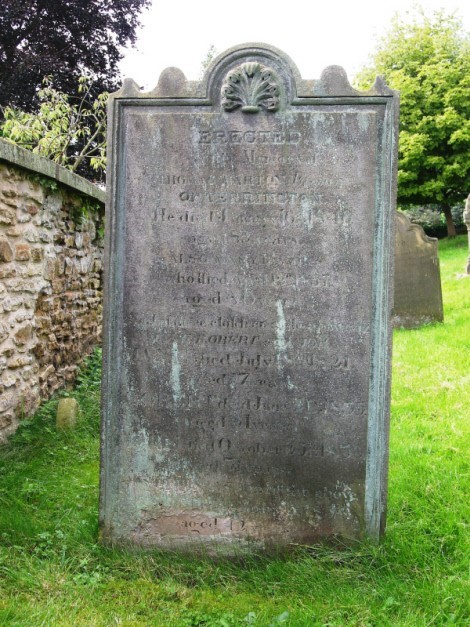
(428, 61)
(68, 130)
(207, 60)
(64, 39)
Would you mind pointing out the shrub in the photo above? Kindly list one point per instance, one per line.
(433, 221)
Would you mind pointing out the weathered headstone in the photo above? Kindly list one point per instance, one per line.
(67, 413)
(466, 219)
(418, 293)
(247, 342)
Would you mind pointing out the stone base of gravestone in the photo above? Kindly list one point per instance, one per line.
(67, 413)
(418, 293)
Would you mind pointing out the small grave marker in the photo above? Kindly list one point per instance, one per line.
(67, 412)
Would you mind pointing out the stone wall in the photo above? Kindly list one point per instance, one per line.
(50, 279)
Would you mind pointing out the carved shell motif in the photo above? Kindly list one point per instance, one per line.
(250, 86)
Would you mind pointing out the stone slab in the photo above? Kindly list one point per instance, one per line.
(418, 292)
(466, 219)
(67, 413)
(247, 314)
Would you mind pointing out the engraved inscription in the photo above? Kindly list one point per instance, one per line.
(209, 526)
(250, 335)
(248, 137)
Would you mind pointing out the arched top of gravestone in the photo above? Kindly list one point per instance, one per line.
(414, 231)
(252, 77)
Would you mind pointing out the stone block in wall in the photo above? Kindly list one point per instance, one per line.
(22, 218)
(4, 332)
(37, 254)
(33, 209)
(7, 401)
(22, 285)
(5, 421)
(32, 193)
(9, 191)
(18, 361)
(31, 235)
(28, 373)
(14, 231)
(22, 252)
(59, 285)
(23, 334)
(46, 373)
(7, 349)
(45, 303)
(50, 264)
(8, 379)
(6, 251)
(69, 267)
(30, 401)
(34, 270)
(7, 272)
(11, 303)
(46, 237)
(21, 316)
(7, 216)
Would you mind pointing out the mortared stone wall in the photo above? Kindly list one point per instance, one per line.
(51, 222)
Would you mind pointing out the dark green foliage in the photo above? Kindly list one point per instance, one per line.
(63, 39)
(433, 220)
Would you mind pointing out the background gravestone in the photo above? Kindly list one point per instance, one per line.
(466, 219)
(418, 293)
(67, 413)
(247, 345)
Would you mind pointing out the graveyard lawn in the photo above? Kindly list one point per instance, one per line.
(54, 572)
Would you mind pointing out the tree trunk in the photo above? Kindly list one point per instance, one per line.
(451, 232)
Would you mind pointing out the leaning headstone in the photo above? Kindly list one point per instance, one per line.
(466, 219)
(67, 412)
(418, 293)
(248, 305)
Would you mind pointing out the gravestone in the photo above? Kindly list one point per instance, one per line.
(67, 413)
(466, 219)
(247, 314)
(418, 293)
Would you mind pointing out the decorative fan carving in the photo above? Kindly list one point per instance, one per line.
(251, 86)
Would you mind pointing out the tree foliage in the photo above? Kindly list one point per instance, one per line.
(207, 60)
(428, 61)
(64, 39)
(68, 130)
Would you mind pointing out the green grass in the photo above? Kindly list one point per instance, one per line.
(54, 572)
